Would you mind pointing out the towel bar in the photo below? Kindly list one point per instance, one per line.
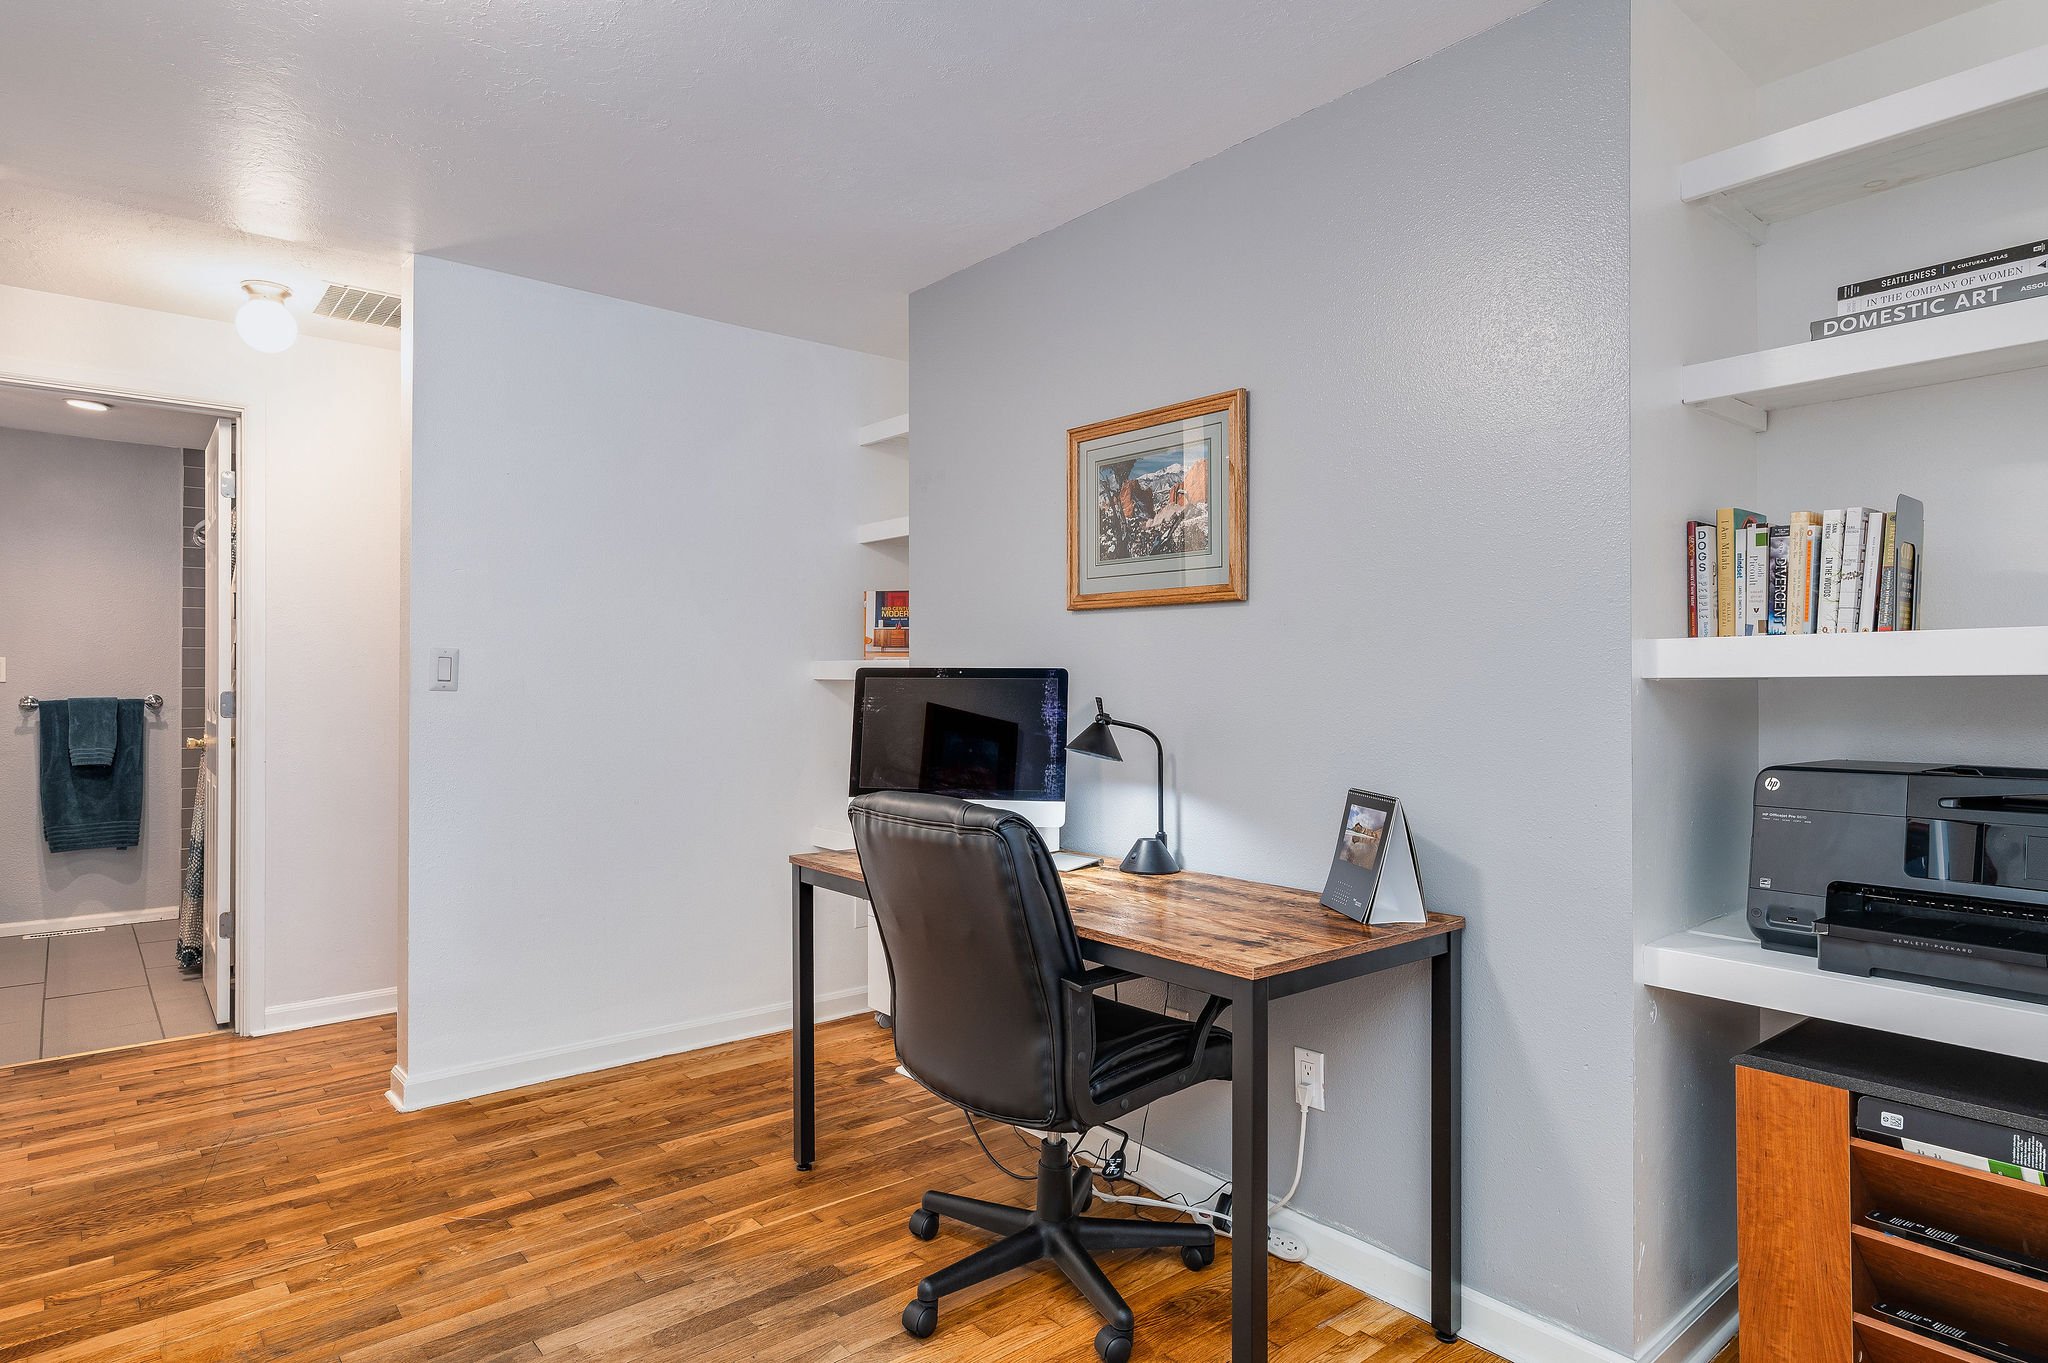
(152, 701)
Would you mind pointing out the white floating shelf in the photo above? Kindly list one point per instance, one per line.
(1723, 960)
(884, 532)
(2019, 651)
(1744, 388)
(882, 432)
(844, 670)
(1968, 119)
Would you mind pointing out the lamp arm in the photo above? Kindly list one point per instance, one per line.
(1126, 724)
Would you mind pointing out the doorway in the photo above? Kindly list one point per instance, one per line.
(118, 631)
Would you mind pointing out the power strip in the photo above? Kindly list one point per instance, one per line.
(1281, 1245)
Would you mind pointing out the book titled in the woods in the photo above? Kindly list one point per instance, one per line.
(885, 624)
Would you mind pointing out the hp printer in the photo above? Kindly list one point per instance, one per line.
(1918, 872)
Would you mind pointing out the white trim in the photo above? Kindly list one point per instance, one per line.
(412, 1092)
(111, 919)
(1514, 1334)
(290, 1017)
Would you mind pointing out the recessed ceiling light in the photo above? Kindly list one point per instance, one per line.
(264, 321)
(86, 405)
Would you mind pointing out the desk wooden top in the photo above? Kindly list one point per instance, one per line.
(1240, 928)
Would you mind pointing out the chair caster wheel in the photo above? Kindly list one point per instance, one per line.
(920, 1318)
(1112, 1345)
(924, 1225)
(1198, 1256)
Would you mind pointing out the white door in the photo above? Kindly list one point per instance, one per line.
(217, 757)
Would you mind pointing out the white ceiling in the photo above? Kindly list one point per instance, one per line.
(1771, 39)
(33, 409)
(787, 164)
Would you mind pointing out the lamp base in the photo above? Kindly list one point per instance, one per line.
(1150, 857)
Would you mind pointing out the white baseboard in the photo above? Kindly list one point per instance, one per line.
(121, 917)
(411, 1092)
(1515, 1334)
(290, 1017)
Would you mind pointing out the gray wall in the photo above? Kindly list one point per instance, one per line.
(89, 601)
(1424, 286)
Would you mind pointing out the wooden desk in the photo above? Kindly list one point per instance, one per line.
(1249, 943)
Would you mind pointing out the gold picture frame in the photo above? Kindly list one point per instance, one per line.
(1147, 522)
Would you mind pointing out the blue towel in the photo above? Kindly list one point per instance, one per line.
(93, 730)
(90, 806)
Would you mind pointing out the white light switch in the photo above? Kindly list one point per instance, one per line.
(447, 669)
(3, 669)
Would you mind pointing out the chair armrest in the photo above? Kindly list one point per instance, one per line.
(1100, 977)
(1205, 1021)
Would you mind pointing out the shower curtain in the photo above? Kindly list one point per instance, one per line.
(191, 904)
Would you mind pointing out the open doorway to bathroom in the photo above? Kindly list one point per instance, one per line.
(117, 629)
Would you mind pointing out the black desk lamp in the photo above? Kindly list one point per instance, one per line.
(1148, 856)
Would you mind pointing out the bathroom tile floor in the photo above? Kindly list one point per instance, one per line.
(94, 990)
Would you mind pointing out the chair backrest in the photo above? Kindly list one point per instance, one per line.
(979, 942)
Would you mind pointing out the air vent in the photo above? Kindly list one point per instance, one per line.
(367, 306)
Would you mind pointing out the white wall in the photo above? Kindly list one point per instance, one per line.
(1969, 39)
(638, 527)
(1692, 298)
(1424, 286)
(89, 606)
(320, 564)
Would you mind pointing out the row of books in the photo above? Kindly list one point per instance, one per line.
(1990, 280)
(1851, 571)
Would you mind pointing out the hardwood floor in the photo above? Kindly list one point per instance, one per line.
(227, 1199)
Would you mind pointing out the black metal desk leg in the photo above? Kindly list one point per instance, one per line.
(803, 1021)
(1248, 1085)
(1446, 1139)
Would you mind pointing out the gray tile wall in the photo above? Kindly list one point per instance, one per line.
(192, 695)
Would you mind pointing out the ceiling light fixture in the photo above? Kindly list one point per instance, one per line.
(87, 405)
(263, 321)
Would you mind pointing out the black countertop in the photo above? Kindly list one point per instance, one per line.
(1904, 1069)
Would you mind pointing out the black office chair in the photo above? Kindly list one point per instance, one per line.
(996, 1012)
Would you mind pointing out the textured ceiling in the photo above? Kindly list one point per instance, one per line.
(795, 165)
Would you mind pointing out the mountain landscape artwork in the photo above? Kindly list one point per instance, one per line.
(1154, 506)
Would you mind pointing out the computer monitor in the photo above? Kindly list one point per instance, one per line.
(993, 735)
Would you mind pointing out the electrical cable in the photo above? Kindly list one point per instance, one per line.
(1021, 1178)
(1200, 1211)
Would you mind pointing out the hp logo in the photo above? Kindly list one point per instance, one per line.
(1771, 783)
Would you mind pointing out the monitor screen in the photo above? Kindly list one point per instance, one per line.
(978, 733)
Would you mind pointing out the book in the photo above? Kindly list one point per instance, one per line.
(1830, 571)
(1925, 309)
(1873, 546)
(1778, 588)
(1888, 577)
(1909, 581)
(1849, 583)
(1969, 1246)
(1703, 593)
(1967, 1141)
(1967, 1341)
(1963, 265)
(885, 624)
(1756, 586)
(2029, 267)
(1729, 522)
(1803, 577)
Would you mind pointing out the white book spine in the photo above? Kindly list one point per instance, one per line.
(1873, 572)
(1706, 581)
(1830, 570)
(1850, 587)
(1756, 585)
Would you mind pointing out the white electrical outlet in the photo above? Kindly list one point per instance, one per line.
(1308, 1077)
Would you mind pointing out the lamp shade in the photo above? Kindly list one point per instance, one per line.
(1097, 741)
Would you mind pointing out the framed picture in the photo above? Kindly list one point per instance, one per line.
(1156, 506)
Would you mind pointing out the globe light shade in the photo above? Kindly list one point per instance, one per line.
(264, 322)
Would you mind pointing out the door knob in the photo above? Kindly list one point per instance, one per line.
(205, 742)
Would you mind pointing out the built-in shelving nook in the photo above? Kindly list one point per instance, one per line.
(1764, 178)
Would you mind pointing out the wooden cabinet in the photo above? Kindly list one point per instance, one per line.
(1811, 1267)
